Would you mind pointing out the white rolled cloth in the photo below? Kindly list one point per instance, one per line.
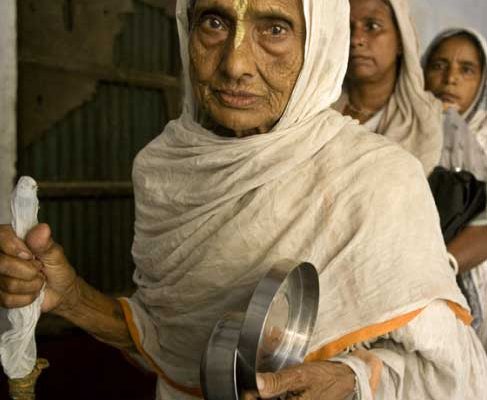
(18, 351)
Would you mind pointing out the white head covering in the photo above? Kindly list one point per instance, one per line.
(213, 214)
(412, 116)
(474, 153)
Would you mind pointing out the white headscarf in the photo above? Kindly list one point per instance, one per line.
(213, 214)
(412, 116)
(474, 158)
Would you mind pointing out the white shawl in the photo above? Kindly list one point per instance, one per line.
(213, 214)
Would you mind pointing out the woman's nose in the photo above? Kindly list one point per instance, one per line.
(357, 38)
(451, 76)
(239, 61)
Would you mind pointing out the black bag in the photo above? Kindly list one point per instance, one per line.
(459, 198)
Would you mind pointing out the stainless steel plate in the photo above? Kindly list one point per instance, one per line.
(219, 363)
(274, 332)
(279, 321)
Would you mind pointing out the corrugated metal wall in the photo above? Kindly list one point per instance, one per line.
(97, 143)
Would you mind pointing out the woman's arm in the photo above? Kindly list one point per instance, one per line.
(469, 247)
(26, 266)
(99, 315)
(435, 356)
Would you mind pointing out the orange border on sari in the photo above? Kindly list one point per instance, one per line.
(370, 332)
(195, 392)
(328, 351)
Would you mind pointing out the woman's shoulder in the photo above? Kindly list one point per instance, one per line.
(372, 154)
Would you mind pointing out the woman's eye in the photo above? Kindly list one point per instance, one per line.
(373, 26)
(438, 66)
(213, 23)
(275, 31)
(468, 71)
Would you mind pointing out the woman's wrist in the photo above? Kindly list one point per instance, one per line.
(69, 299)
(351, 382)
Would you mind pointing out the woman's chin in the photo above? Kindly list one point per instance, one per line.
(241, 122)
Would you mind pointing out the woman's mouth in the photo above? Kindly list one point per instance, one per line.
(357, 60)
(236, 99)
(449, 98)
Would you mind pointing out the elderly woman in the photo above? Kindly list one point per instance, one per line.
(258, 168)
(456, 73)
(384, 86)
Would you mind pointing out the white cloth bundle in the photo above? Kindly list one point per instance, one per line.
(18, 351)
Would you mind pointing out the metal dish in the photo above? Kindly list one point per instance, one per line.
(279, 321)
(218, 369)
(274, 332)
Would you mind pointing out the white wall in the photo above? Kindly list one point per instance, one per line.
(8, 94)
(431, 16)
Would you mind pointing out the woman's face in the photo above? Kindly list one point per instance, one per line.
(245, 58)
(454, 72)
(375, 42)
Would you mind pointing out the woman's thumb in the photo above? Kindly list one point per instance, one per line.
(271, 385)
(40, 242)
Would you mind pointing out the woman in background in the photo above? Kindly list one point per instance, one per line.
(385, 91)
(384, 86)
(456, 73)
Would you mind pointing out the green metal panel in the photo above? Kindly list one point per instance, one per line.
(98, 142)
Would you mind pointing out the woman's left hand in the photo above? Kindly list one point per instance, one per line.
(316, 380)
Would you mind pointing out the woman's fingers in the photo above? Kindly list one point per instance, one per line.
(16, 301)
(12, 267)
(280, 383)
(20, 287)
(308, 381)
(11, 245)
(20, 281)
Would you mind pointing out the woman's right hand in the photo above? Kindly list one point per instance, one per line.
(26, 266)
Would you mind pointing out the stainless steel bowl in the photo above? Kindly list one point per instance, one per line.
(279, 321)
(274, 333)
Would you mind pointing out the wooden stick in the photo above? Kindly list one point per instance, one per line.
(24, 388)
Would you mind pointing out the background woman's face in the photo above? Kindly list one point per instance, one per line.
(454, 72)
(375, 42)
(245, 58)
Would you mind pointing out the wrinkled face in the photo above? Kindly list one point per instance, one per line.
(454, 72)
(375, 41)
(245, 58)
